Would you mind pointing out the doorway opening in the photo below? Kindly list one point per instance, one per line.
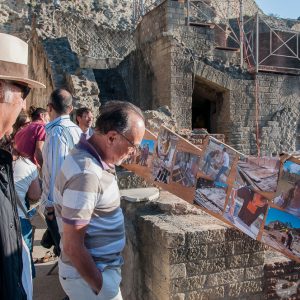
(207, 101)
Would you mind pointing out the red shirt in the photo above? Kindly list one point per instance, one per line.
(26, 138)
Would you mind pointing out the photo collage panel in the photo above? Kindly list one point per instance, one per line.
(258, 195)
(214, 170)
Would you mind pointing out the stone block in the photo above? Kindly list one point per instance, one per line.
(205, 266)
(207, 294)
(179, 296)
(226, 277)
(219, 250)
(181, 285)
(237, 261)
(254, 272)
(179, 255)
(246, 245)
(245, 288)
(207, 234)
(178, 271)
(197, 253)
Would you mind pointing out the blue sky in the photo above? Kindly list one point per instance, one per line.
(278, 215)
(283, 8)
(150, 143)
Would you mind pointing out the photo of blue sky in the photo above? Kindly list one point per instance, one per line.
(151, 144)
(291, 167)
(278, 215)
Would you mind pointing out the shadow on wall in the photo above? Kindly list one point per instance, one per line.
(111, 85)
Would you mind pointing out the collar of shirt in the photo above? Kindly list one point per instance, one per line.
(85, 145)
(56, 121)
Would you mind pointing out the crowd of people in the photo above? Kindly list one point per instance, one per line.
(67, 169)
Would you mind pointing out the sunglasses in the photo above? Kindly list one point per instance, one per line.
(25, 89)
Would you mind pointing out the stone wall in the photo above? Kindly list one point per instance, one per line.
(182, 59)
(53, 63)
(175, 251)
(281, 277)
(40, 68)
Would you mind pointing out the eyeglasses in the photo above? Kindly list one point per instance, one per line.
(134, 147)
(25, 89)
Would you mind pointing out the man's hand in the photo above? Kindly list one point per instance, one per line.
(49, 213)
(74, 248)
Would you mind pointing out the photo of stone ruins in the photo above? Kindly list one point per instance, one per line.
(217, 67)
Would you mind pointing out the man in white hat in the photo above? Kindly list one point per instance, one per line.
(14, 88)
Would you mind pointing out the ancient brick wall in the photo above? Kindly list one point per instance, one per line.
(177, 252)
(187, 255)
(281, 278)
(180, 58)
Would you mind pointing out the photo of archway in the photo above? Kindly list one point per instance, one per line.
(185, 169)
(288, 191)
(261, 173)
(282, 232)
(246, 210)
(164, 154)
(214, 169)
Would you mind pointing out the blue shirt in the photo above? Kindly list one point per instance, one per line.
(61, 136)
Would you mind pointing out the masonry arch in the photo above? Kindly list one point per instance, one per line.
(208, 105)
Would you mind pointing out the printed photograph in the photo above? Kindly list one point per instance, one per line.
(261, 173)
(185, 169)
(282, 232)
(163, 160)
(216, 163)
(246, 210)
(214, 169)
(144, 154)
(209, 196)
(288, 191)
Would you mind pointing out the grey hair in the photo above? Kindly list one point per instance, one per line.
(114, 115)
(6, 92)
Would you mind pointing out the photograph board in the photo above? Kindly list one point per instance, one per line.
(215, 175)
(258, 196)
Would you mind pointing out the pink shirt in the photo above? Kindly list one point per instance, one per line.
(26, 138)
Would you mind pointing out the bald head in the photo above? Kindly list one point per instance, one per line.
(120, 116)
(61, 101)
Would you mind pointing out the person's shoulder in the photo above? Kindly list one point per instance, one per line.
(81, 161)
(26, 164)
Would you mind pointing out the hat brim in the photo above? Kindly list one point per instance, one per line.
(31, 83)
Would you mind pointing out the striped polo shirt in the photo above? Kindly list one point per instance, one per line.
(86, 193)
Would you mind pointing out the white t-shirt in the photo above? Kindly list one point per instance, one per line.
(25, 172)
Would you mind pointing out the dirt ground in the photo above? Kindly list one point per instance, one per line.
(44, 286)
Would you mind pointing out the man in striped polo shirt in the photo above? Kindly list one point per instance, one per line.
(88, 205)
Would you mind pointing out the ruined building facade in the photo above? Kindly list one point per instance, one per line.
(173, 56)
(176, 57)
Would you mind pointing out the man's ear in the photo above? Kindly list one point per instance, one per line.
(111, 136)
(70, 109)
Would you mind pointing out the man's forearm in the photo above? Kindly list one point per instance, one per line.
(83, 262)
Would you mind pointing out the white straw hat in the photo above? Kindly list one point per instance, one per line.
(14, 61)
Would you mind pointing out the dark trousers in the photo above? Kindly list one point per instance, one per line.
(53, 229)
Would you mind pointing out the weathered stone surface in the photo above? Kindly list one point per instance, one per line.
(207, 294)
(206, 266)
(245, 288)
(230, 276)
(187, 284)
(254, 272)
(178, 271)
